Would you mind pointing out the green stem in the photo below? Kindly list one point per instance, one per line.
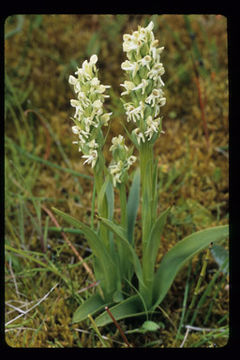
(102, 208)
(148, 195)
(146, 170)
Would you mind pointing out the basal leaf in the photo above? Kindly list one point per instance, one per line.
(183, 251)
(90, 306)
(221, 256)
(131, 307)
(151, 249)
(99, 249)
(120, 233)
(93, 239)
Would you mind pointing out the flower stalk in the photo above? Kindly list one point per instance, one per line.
(89, 118)
(144, 87)
(146, 172)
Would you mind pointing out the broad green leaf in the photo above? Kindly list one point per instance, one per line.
(221, 255)
(99, 249)
(93, 239)
(131, 307)
(132, 205)
(90, 306)
(120, 233)
(183, 251)
(151, 249)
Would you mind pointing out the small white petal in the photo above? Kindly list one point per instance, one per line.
(93, 59)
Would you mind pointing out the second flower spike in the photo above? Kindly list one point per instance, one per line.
(122, 160)
(89, 114)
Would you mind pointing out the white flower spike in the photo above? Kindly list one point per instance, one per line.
(89, 114)
(144, 83)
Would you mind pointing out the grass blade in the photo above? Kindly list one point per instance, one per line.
(49, 163)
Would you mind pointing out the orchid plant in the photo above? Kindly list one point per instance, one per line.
(113, 243)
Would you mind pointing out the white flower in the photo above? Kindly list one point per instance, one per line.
(142, 86)
(92, 144)
(93, 59)
(115, 168)
(153, 126)
(147, 31)
(145, 61)
(136, 113)
(83, 99)
(97, 104)
(105, 118)
(128, 85)
(73, 81)
(116, 172)
(131, 160)
(162, 101)
(156, 52)
(95, 81)
(130, 43)
(82, 135)
(150, 26)
(139, 135)
(154, 96)
(118, 141)
(130, 66)
(78, 106)
(156, 71)
(101, 88)
(76, 129)
(91, 158)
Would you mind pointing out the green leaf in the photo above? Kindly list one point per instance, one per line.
(102, 194)
(132, 205)
(93, 239)
(131, 307)
(151, 249)
(110, 199)
(90, 306)
(150, 326)
(146, 327)
(183, 251)
(107, 265)
(121, 234)
(221, 255)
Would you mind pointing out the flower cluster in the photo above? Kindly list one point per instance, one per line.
(144, 84)
(122, 160)
(89, 115)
